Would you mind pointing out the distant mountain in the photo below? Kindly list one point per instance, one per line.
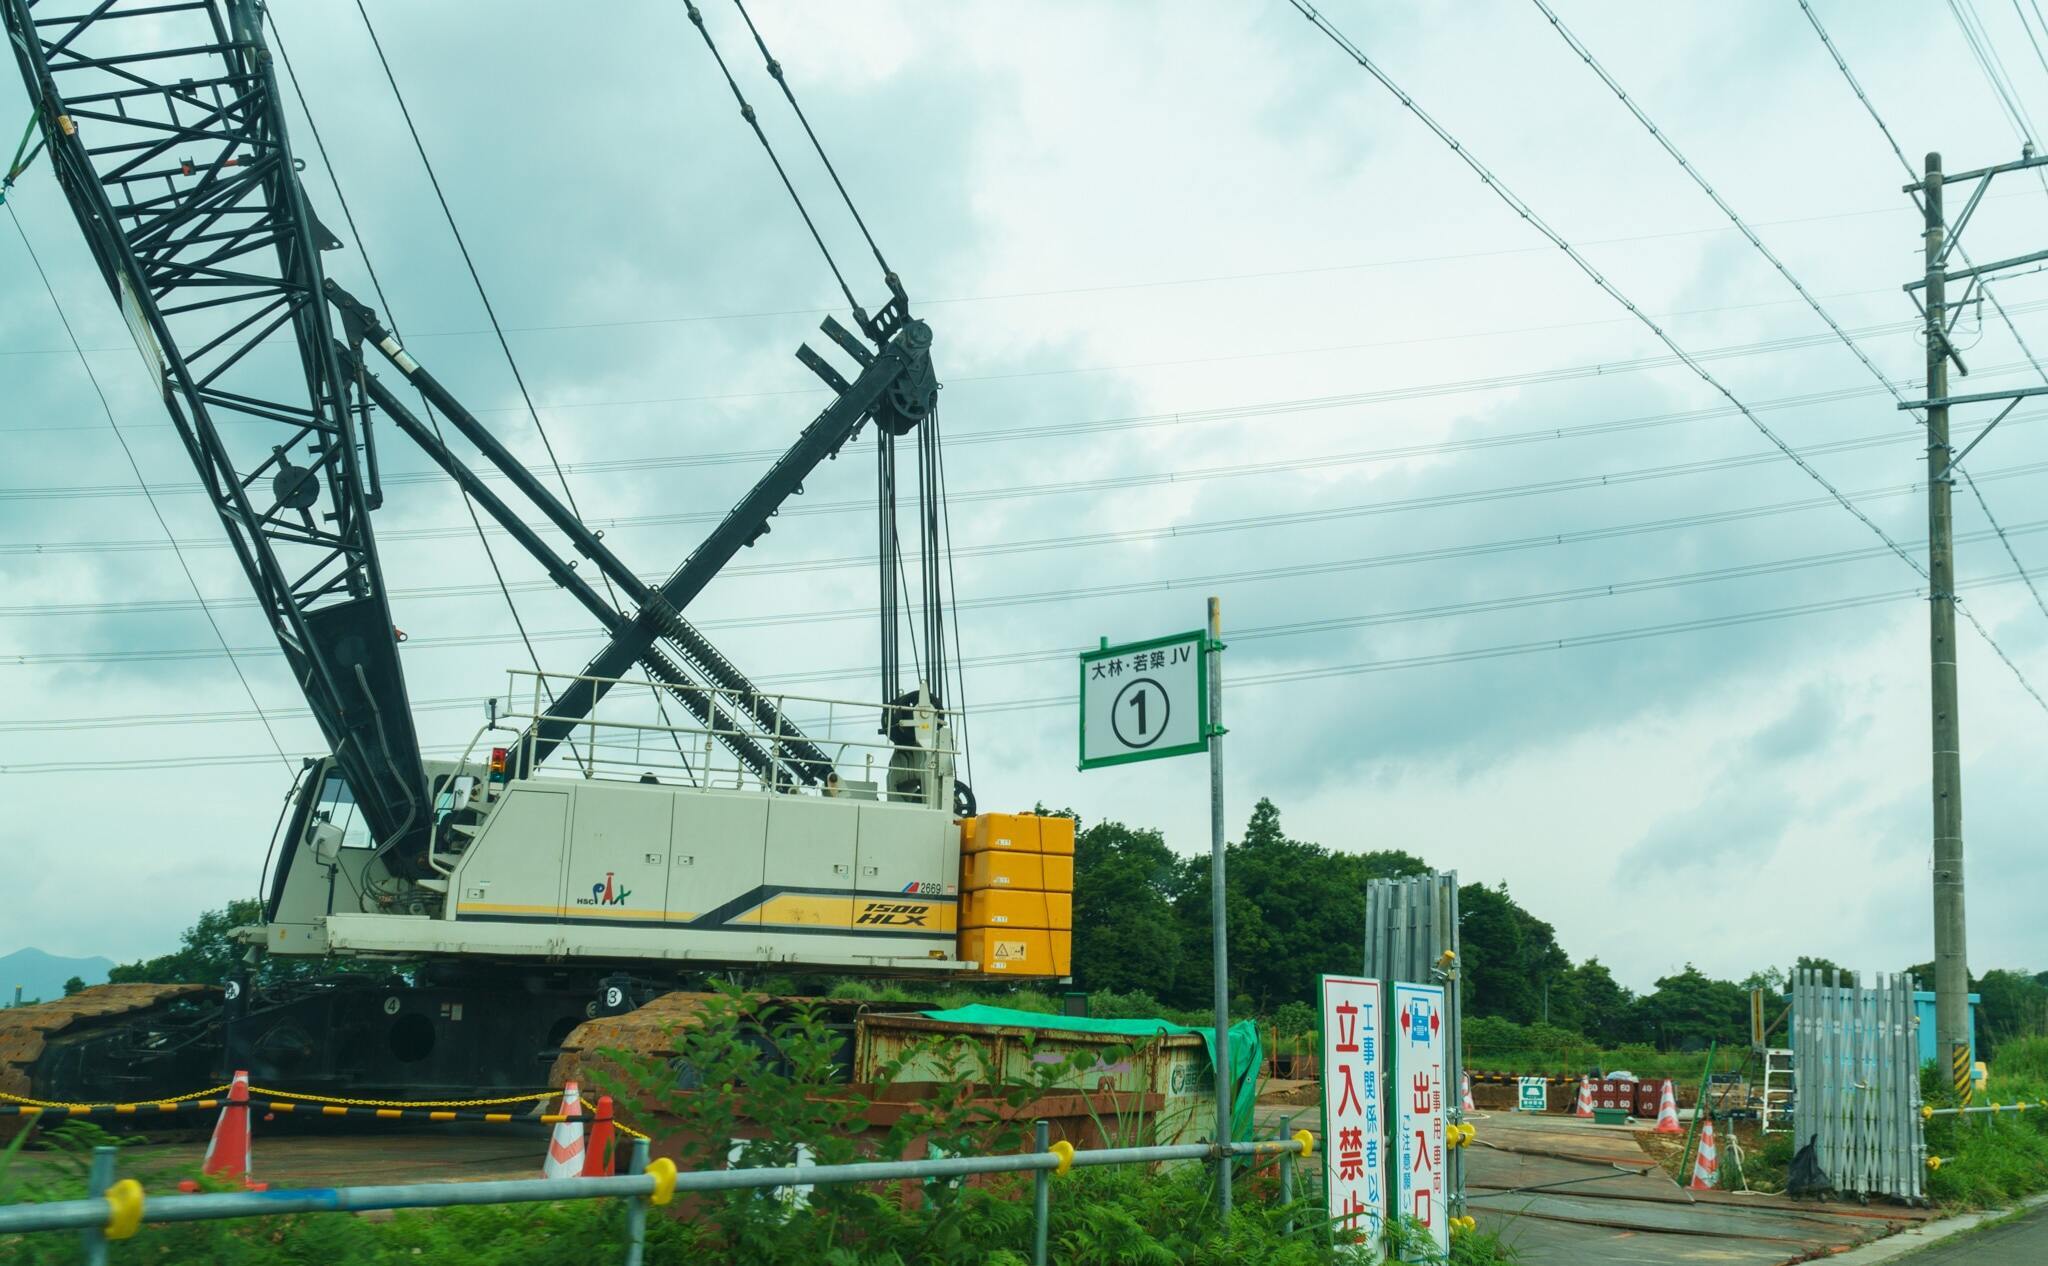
(43, 975)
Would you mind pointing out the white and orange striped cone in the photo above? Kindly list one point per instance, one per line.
(1585, 1108)
(231, 1150)
(565, 1148)
(1465, 1093)
(1667, 1112)
(1706, 1165)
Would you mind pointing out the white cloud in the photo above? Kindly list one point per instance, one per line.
(1037, 168)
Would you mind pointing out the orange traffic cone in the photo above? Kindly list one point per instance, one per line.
(1667, 1112)
(230, 1152)
(1465, 1094)
(1706, 1165)
(597, 1152)
(1585, 1108)
(565, 1148)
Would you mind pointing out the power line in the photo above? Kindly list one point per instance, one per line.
(1663, 138)
(1255, 575)
(567, 406)
(1452, 387)
(1524, 378)
(1172, 531)
(1983, 286)
(1434, 554)
(816, 309)
(2006, 541)
(2028, 27)
(1240, 681)
(1026, 491)
(1528, 214)
(154, 509)
(1986, 53)
(1671, 148)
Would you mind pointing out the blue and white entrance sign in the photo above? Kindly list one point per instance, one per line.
(1144, 700)
(1532, 1094)
(1418, 1038)
(1354, 1147)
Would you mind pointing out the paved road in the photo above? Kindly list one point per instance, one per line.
(1566, 1192)
(2021, 1241)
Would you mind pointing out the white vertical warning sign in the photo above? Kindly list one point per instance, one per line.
(1418, 1038)
(1354, 1170)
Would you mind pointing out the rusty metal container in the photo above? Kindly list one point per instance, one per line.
(1126, 1091)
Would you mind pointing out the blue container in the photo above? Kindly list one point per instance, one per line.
(1923, 1007)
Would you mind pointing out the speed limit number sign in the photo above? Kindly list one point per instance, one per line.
(1144, 700)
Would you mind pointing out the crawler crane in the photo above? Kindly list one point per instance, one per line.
(491, 903)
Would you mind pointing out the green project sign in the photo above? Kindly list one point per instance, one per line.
(1144, 700)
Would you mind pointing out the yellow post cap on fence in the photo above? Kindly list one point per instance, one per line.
(1926, 1112)
(124, 1209)
(1065, 1151)
(1934, 1162)
(1307, 1141)
(664, 1171)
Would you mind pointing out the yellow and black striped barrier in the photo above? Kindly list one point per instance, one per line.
(292, 1103)
(67, 1110)
(1959, 1061)
(292, 1107)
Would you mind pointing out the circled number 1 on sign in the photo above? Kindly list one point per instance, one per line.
(1141, 712)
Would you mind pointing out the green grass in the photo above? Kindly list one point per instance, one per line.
(1991, 1159)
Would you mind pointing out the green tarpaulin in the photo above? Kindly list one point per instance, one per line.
(1246, 1057)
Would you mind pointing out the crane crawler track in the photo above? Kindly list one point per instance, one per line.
(29, 1034)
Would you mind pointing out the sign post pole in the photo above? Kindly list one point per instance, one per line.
(1164, 697)
(1219, 905)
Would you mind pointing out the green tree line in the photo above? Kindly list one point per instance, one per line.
(1297, 910)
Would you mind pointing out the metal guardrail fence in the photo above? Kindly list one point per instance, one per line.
(116, 1210)
(1929, 1112)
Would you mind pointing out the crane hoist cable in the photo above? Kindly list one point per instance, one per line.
(775, 72)
(754, 122)
(498, 329)
(377, 284)
(953, 586)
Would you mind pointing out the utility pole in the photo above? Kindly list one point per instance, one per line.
(1951, 957)
(1952, 1021)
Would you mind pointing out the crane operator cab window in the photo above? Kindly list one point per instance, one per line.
(455, 806)
(337, 807)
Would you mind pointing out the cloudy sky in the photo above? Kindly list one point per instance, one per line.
(1214, 314)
